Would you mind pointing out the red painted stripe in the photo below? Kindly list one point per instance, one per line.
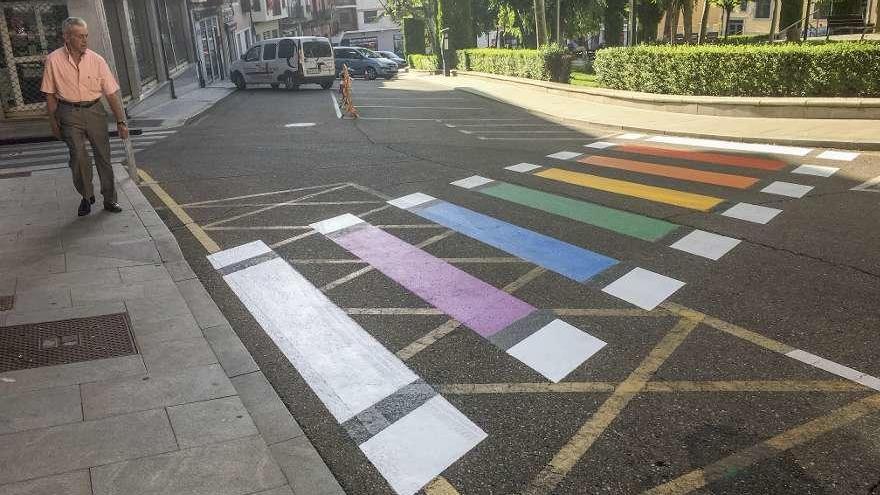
(700, 156)
(682, 173)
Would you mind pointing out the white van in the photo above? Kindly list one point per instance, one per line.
(289, 61)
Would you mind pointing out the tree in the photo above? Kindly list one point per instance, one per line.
(540, 23)
(687, 10)
(728, 6)
(704, 19)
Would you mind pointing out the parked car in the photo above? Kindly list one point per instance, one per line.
(363, 62)
(291, 61)
(401, 63)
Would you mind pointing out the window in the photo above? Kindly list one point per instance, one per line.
(735, 26)
(370, 16)
(743, 5)
(762, 9)
(274, 33)
(286, 49)
(269, 51)
(256, 5)
(314, 49)
(252, 55)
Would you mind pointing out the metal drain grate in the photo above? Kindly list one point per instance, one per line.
(6, 302)
(65, 341)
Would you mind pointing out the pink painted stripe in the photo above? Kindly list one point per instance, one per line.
(480, 306)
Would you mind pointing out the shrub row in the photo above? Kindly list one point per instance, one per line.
(833, 69)
(550, 63)
(423, 62)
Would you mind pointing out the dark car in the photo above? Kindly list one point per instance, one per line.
(363, 62)
(394, 58)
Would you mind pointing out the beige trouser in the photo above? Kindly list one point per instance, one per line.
(79, 124)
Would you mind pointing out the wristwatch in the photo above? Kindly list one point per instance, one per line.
(122, 122)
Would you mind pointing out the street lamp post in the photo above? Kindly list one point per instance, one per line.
(444, 40)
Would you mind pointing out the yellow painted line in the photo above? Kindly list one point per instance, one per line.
(562, 463)
(187, 221)
(656, 387)
(636, 190)
(603, 312)
(771, 447)
(439, 486)
(737, 331)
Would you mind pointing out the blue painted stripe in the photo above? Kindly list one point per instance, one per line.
(561, 257)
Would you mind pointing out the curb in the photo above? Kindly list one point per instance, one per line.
(813, 143)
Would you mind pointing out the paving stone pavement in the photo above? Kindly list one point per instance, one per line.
(189, 413)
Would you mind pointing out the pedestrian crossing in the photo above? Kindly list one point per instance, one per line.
(55, 154)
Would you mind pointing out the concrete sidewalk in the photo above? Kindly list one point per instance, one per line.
(176, 405)
(825, 133)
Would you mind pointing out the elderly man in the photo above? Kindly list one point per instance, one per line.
(74, 80)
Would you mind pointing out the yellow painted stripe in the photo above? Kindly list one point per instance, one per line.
(567, 457)
(181, 215)
(775, 386)
(771, 447)
(439, 486)
(636, 190)
(736, 331)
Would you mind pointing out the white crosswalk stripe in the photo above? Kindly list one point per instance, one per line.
(55, 153)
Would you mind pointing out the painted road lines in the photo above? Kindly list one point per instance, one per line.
(561, 257)
(62, 156)
(751, 213)
(844, 156)
(353, 375)
(631, 136)
(732, 145)
(787, 189)
(600, 145)
(872, 185)
(817, 170)
(681, 173)
(643, 288)
(551, 347)
(705, 244)
(522, 167)
(662, 387)
(651, 193)
(622, 222)
(565, 155)
(835, 368)
(705, 157)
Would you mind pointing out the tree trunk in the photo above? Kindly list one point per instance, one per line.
(726, 21)
(687, 10)
(704, 19)
(673, 26)
(540, 23)
(774, 18)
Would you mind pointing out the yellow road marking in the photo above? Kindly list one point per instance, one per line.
(278, 205)
(771, 447)
(609, 312)
(181, 215)
(439, 486)
(558, 467)
(634, 189)
(656, 387)
(748, 335)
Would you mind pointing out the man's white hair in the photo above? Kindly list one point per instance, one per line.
(72, 21)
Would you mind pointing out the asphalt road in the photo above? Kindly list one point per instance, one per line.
(697, 392)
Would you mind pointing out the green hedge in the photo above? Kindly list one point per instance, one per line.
(833, 69)
(423, 62)
(413, 36)
(550, 63)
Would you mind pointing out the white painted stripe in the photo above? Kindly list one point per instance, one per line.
(643, 288)
(831, 367)
(239, 253)
(37, 148)
(450, 126)
(787, 189)
(522, 167)
(50, 158)
(576, 137)
(168, 131)
(565, 155)
(843, 156)
(631, 135)
(472, 182)
(345, 366)
(421, 108)
(869, 185)
(336, 223)
(752, 213)
(600, 145)
(421, 445)
(869, 381)
(465, 132)
(732, 145)
(705, 244)
(411, 200)
(335, 106)
(817, 170)
(300, 124)
(556, 349)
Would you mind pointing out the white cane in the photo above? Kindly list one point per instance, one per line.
(129, 156)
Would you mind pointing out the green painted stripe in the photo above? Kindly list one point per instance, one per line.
(622, 222)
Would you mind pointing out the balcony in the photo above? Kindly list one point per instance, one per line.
(268, 10)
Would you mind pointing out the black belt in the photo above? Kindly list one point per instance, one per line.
(79, 104)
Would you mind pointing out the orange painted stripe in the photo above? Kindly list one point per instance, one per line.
(699, 156)
(689, 174)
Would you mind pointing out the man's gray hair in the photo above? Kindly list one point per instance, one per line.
(72, 21)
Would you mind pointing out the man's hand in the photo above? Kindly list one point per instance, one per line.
(122, 128)
(56, 128)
